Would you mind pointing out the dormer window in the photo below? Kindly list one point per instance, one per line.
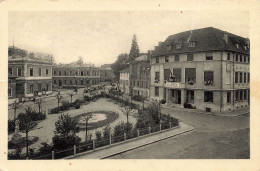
(178, 46)
(169, 47)
(192, 44)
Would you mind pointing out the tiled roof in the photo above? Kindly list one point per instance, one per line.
(18, 58)
(206, 39)
(126, 70)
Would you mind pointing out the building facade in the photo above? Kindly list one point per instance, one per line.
(207, 68)
(75, 75)
(124, 81)
(28, 76)
(140, 76)
(107, 74)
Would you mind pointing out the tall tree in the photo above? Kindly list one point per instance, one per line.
(134, 52)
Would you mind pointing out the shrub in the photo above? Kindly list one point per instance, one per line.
(61, 143)
(77, 105)
(98, 135)
(11, 126)
(144, 120)
(87, 98)
(44, 149)
(189, 106)
(153, 110)
(106, 132)
(35, 116)
(121, 128)
(163, 101)
(66, 105)
(137, 98)
(55, 110)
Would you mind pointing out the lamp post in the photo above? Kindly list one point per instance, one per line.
(39, 101)
(58, 96)
(76, 87)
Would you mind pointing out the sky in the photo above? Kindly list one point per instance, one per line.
(100, 36)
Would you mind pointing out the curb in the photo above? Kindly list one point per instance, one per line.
(129, 140)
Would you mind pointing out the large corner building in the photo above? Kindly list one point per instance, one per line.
(207, 68)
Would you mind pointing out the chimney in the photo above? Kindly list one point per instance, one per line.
(159, 43)
(225, 37)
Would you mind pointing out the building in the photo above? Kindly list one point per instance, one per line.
(107, 74)
(75, 74)
(207, 68)
(124, 81)
(140, 76)
(29, 76)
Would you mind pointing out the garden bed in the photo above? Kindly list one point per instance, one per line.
(110, 117)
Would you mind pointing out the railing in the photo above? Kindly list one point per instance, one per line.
(92, 145)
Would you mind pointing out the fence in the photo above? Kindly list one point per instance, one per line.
(92, 145)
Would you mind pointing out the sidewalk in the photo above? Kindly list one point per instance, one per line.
(131, 144)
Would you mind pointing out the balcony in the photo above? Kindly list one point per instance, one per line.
(169, 84)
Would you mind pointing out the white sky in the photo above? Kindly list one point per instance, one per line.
(99, 37)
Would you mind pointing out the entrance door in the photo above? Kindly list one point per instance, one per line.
(179, 96)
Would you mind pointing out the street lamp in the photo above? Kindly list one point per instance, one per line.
(58, 96)
(39, 101)
(76, 89)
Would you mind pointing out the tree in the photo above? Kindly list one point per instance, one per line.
(71, 95)
(120, 64)
(127, 111)
(15, 106)
(86, 119)
(65, 132)
(80, 61)
(26, 125)
(134, 51)
(39, 102)
(154, 110)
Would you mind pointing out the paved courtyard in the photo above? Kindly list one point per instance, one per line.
(213, 137)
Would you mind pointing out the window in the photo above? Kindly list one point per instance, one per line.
(177, 74)
(65, 73)
(169, 47)
(167, 73)
(236, 77)
(189, 57)
(137, 84)
(176, 58)
(228, 97)
(244, 77)
(248, 77)
(209, 56)
(240, 77)
(208, 96)
(10, 71)
(19, 72)
(81, 81)
(178, 46)
(47, 87)
(157, 60)
(40, 72)
(59, 72)
(166, 58)
(31, 72)
(54, 72)
(192, 44)
(245, 94)
(237, 95)
(228, 56)
(244, 58)
(157, 77)
(54, 81)
(31, 89)
(47, 71)
(70, 73)
(241, 95)
(241, 59)
(81, 73)
(156, 91)
(65, 81)
(76, 72)
(236, 57)
(9, 92)
(208, 77)
(190, 75)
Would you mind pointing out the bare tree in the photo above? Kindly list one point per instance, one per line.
(127, 111)
(16, 105)
(39, 102)
(71, 95)
(86, 119)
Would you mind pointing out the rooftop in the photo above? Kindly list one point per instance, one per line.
(126, 70)
(206, 39)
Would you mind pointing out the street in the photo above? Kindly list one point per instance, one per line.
(215, 137)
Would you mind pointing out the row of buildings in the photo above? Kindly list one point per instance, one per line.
(30, 76)
(207, 68)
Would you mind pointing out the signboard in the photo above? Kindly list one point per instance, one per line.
(174, 85)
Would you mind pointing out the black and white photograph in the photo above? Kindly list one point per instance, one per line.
(122, 85)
